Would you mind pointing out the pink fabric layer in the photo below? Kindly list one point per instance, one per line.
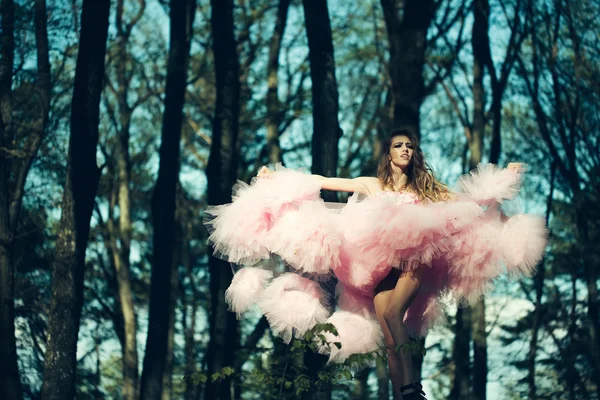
(357, 334)
(293, 305)
(246, 288)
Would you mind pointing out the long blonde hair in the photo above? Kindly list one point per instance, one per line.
(420, 176)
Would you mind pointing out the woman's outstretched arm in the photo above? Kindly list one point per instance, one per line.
(363, 184)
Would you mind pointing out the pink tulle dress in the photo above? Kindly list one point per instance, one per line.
(464, 244)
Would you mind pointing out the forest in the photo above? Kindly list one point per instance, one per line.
(121, 120)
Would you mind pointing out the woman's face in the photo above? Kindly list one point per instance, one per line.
(401, 151)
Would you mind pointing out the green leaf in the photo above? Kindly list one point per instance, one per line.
(227, 371)
(298, 345)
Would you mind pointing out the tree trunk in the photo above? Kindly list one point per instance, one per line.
(163, 198)
(11, 196)
(221, 174)
(593, 325)
(383, 381)
(361, 388)
(479, 350)
(189, 307)
(7, 8)
(326, 127)
(130, 387)
(120, 261)
(97, 393)
(189, 324)
(480, 46)
(78, 201)
(326, 134)
(34, 140)
(460, 355)
(407, 22)
(538, 283)
(274, 111)
(481, 11)
(179, 253)
(167, 392)
(10, 384)
(110, 242)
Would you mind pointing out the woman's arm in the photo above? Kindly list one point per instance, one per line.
(361, 184)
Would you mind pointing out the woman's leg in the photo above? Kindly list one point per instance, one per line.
(399, 300)
(394, 368)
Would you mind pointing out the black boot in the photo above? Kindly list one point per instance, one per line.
(413, 391)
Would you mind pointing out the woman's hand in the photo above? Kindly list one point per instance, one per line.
(515, 166)
(264, 172)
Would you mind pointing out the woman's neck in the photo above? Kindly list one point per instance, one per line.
(399, 179)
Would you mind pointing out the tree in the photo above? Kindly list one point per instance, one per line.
(538, 283)
(221, 174)
(274, 112)
(326, 127)
(120, 237)
(480, 44)
(562, 87)
(78, 202)
(407, 24)
(10, 383)
(163, 198)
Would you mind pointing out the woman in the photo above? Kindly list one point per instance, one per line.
(399, 249)
(401, 169)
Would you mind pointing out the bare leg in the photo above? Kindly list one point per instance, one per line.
(381, 301)
(400, 299)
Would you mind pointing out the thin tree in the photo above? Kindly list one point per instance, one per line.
(326, 128)
(538, 284)
(273, 121)
(480, 44)
(10, 384)
(221, 175)
(163, 198)
(325, 105)
(78, 201)
(167, 390)
(121, 238)
(274, 112)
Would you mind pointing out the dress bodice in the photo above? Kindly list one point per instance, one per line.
(400, 197)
